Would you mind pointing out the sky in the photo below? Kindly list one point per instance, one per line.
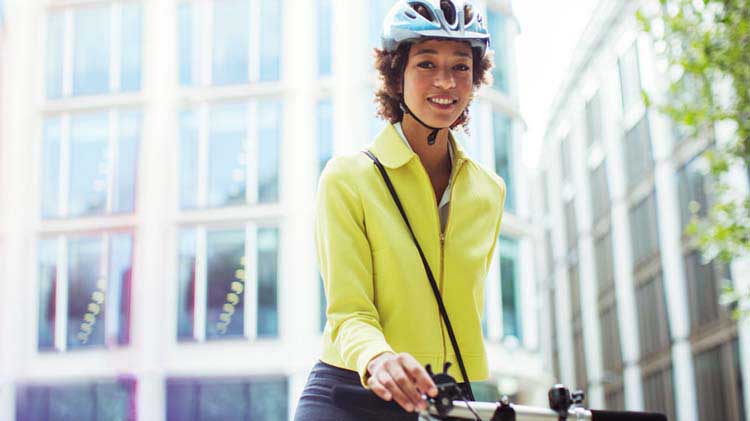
(550, 30)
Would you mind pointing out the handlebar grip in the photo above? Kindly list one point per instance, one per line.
(362, 401)
(626, 416)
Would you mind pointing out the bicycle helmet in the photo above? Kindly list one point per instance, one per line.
(448, 19)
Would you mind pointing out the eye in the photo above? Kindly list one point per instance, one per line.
(426, 65)
(462, 67)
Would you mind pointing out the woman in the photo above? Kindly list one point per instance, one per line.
(384, 322)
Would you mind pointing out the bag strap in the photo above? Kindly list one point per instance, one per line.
(427, 269)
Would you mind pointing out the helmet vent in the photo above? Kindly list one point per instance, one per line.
(423, 11)
(449, 11)
(468, 14)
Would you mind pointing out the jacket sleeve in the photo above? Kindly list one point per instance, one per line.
(345, 262)
(488, 261)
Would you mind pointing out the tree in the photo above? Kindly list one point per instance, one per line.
(705, 45)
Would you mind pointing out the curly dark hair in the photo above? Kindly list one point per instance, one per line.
(390, 67)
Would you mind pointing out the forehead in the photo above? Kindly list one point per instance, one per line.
(441, 47)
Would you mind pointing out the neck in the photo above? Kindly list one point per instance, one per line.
(435, 158)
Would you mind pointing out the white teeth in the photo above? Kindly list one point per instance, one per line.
(442, 101)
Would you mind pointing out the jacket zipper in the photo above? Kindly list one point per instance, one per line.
(441, 235)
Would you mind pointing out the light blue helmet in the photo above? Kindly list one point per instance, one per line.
(449, 19)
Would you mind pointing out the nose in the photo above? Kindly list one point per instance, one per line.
(444, 79)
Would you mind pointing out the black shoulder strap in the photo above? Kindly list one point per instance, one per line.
(427, 269)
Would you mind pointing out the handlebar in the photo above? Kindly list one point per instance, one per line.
(361, 400)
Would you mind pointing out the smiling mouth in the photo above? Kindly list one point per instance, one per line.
(442, 101)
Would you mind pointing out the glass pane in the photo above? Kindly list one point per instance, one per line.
(127, 161)
(630, 80)
(593, 120)
(114, 401)
(47, 287)
(54, 54)
(132, 39)
(503, 138)
(186, 282)
(32, 403)
(325, 16)
(496, 23)
(226, 283)
(230, 42)
(640, 158)
(182, 400)
(268, 254)
(227, 157)
(325, 133)
(188, 159)
(226, 400)
(270, 42)
(509, 287)
(269, 136)
(119, 287)
(51, 168)
(86, 311)
(91, 50)
(185, 42)
(268, 400)
(71, 403)
(90, 165)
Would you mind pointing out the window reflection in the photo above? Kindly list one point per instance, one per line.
(225, 302)
(230, 41)
(85, 285)
(89, 167)
(268, 254)
(227, 155)
(91, 50)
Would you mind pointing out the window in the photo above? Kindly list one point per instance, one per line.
(711, 385)
(615, 399)
(566, 160)
(630, 79)
(84, 290)
(243, 44)
(692, 188)
(104, 400)
(233, 274)
(658, 392)
(571, 225)
(324, 10)
(509, 287)
(496, 22)
(703, 285)
(227, 399)
(325, 133)
(220, 161)
(638, 154)
(600, 192)
(610, 337)
(504, 157)
(644, 229)
(555, 352)
(605, 276)
(89, 163)
(575, 290)
(739, 390)
(593, 120)
(580, 356)
(549, 250)
(652, 317)
(94, 32)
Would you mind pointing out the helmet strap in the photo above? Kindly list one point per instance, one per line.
(431, 137)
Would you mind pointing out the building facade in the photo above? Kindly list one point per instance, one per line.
(158, 161)
(633, 316)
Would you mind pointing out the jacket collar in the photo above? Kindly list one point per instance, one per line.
(393, 153)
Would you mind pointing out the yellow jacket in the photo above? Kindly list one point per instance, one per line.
(379, 296)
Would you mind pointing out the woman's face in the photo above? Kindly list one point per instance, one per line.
(438, 81)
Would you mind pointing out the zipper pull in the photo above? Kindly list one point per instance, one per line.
(442, 238)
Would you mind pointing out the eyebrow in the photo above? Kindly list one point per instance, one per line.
(431, 51)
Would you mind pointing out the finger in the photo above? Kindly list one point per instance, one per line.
(405, 383)
(379, 389)
(390, 384)
(420, 376)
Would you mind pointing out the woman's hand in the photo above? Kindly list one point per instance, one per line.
(400, 377)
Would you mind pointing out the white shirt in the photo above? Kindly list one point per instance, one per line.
(445, 199)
